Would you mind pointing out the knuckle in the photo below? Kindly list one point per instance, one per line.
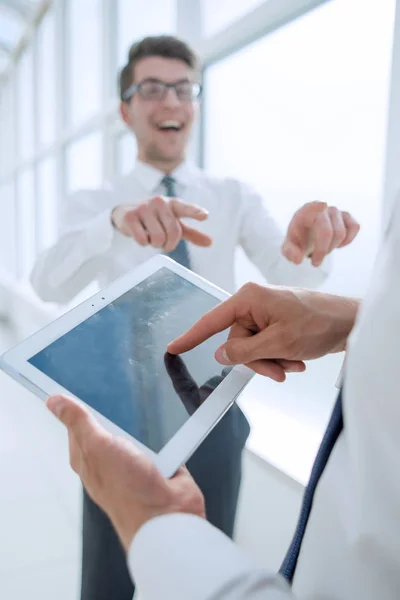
(131, 219)
(325, 230)
(141, 240)
(158, 239)
(333, 211)
(250, 288)
(158, 202)
(143, 209)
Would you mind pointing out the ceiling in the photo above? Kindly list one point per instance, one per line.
(15, 16)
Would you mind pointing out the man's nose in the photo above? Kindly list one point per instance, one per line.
(171, 98)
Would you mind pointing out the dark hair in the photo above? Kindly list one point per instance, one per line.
(166, 46)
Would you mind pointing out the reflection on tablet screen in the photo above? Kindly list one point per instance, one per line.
(116, 360)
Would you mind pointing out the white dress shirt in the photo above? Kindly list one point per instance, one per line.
(351, 548)
(90, 249)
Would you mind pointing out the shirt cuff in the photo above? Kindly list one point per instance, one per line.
(182, 556)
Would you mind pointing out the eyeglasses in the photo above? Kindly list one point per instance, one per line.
(155, 90)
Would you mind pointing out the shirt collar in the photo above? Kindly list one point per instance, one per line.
(150, 177)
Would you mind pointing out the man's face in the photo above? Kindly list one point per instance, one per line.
(162, 127)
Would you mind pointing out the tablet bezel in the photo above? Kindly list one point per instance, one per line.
(192, 433)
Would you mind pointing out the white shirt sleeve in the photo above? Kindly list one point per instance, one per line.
(75, 260)
(372, 418)
(183, 556)
(262, 239)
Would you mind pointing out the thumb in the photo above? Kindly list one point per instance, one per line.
(293, 252)
(240, 351)
(74, 416)
(299, 238)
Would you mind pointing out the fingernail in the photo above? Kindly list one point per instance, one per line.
(288, 252)
(222, 357)
(55, 405)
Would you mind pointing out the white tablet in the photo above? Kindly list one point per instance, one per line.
(110, 353)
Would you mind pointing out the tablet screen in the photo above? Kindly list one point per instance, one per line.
(116, 360)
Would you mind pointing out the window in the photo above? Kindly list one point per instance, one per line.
(84, 59)
(301, 114)
(47, 203)
(136, 19)
(46, 91)
(126, 153)
(84, 163)
(7, 139)
(8, 229)
(26, 219)
(84, 170)
(311, 119)
(25, 105)
(219, 15)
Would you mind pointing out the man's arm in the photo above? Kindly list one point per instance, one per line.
(302, 257)
(65, 269)
(204, 564)
(92, 236)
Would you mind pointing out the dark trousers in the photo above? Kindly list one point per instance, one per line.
(216, 467)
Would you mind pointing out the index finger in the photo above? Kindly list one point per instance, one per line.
(216, 320)
(192, 211)
(299, 238)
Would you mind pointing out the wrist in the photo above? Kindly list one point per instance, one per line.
(337, 312)
(343, 312)
(117, 218)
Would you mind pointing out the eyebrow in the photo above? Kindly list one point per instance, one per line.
(156, 80)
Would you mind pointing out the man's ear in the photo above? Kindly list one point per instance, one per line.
(124, 111)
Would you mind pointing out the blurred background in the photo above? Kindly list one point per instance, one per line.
(301, 100)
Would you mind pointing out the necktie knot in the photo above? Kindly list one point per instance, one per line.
(169, 183)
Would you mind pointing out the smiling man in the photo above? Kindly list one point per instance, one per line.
(108, 232)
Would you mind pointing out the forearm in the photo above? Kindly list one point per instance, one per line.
(64, 270)
(182, 556)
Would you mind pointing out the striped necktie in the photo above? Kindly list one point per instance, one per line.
(332, 433)
(181, 253)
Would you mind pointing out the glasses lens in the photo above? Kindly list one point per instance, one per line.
(152, 90)
(187, 91)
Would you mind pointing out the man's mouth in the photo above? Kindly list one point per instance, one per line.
(169, 125)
